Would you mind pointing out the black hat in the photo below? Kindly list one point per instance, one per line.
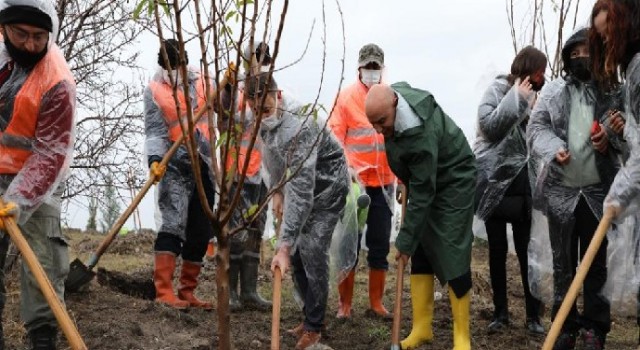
(579, 37)
(21, 14)
(173, 53)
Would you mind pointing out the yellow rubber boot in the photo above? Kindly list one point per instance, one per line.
(422, 306)
(460, 308)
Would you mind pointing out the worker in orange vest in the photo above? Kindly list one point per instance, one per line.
(37, 99)
(366, 156)
(244, 257)
(183, 227)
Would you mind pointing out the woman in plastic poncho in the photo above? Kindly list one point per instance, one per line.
(503, 188)
(571, 140)
(615, 38)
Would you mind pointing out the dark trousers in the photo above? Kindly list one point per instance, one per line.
(569, 239)
(378, 229)
(314, 309)
(420, 265)
(498, 248)
(199, 229)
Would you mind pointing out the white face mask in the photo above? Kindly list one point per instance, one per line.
(177, 76)
(370, 77)
(272, 121)
(265, 69)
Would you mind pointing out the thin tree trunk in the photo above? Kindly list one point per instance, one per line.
(222, 284)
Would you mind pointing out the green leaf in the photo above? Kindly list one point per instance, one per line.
(165, 7)
(251, 211)
(229, 15)
(138, 9)
(222, 138)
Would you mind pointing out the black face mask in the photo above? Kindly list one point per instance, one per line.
(537, 86)
(580, 68)
(23, 58)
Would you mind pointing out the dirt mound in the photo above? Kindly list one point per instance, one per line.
(138, 284)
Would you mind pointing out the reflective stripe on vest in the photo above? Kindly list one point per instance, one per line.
(18, 139)
(364, 147)
(163, 96)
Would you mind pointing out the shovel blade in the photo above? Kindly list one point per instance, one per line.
(79, 275)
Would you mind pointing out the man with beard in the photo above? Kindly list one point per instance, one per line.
(573, 146)
(37, 107)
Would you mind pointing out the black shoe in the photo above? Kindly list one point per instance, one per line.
(592, 341)
(498, 325)
(534, 327)
(43, 338)
(566, 341)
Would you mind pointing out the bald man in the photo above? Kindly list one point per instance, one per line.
(430, 154)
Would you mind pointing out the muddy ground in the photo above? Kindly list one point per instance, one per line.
(108, 317)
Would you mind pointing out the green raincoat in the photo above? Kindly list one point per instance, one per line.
(437, 165)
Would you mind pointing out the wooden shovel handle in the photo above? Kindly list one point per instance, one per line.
(68, 327)
(576, 285)
(397, 308)
(275, 316)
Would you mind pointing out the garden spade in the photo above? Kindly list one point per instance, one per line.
(576, 285)
(66, 324)
(277, 291)
(81, 274)
(397, 308)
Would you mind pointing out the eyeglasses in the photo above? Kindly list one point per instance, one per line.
(20, 36)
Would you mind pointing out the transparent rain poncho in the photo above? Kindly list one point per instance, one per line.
(177, 185)
(500, 146)
(344, 244)
(40, 179)
(299, 149)
(557, 189)
(626, 187)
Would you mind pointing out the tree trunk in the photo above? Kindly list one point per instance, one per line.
(222, 287)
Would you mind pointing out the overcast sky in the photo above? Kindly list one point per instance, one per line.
(452, 48)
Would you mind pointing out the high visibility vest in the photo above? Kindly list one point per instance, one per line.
(163, 96)
(17, 140)
(255, 158)
(364, 147)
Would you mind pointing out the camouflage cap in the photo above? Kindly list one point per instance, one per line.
(371, 53)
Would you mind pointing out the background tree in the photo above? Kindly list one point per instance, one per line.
(110, 209)
(98, 38)
(546, 24)
(93, 211)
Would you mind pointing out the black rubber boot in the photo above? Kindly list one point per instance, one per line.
(43, 338)
(234, 274)
(249, 284)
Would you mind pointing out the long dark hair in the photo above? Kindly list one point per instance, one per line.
(528, 61)
(623, 33)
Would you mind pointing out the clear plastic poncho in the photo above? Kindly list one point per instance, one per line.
(177, 185)
(297, 148)
(555, 194)
(344, 243)
(40, 179)
(500, 146)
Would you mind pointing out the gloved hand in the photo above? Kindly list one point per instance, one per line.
(400, 189)
(157, 171)
(229, 77)
(9, 210)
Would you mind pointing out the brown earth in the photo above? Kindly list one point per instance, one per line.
(109, 317)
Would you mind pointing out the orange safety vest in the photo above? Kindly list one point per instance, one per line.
(255, 160)
(163, 95)
(16, 141)
(364, 147)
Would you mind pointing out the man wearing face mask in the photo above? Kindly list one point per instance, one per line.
(183, 228)
(569, 139)
(244, 257)
(37, 108)
(300, 153)
(366, 156)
